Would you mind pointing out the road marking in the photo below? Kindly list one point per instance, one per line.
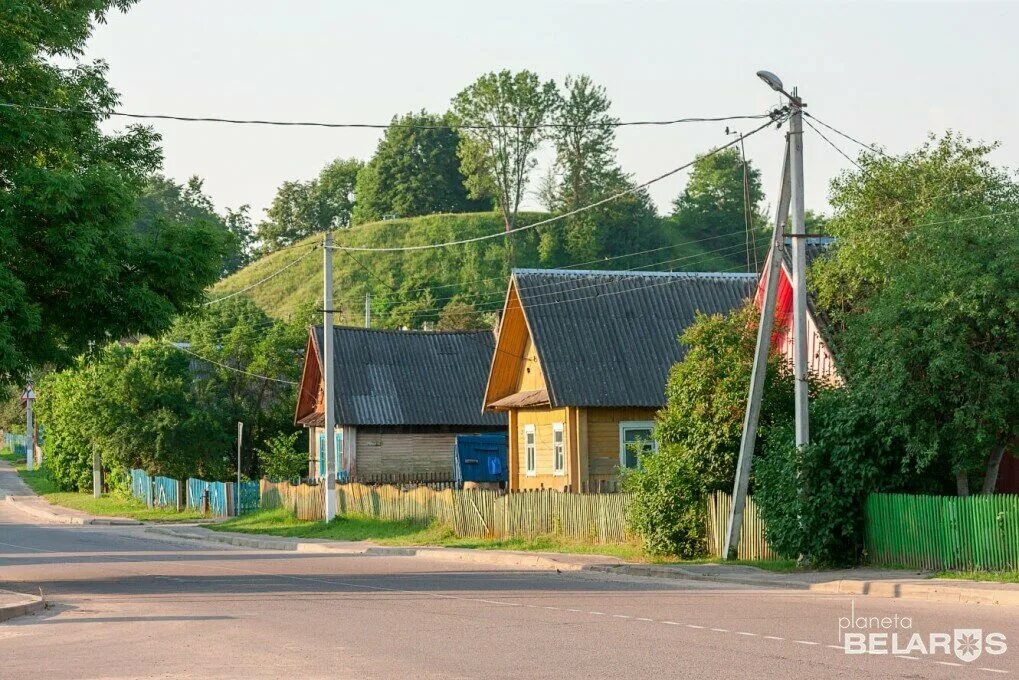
(743, 632)
(598, 613)
(773, 637)
(805, 642)
(907, 658)
(834, 646)
(673, 623)
(620, 616)
(992, 670)
(693, 625)
(641, 618)
(948, 663)
(720, 630)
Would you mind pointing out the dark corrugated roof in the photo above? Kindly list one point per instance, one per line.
(411, 377)
(609, 338)
(816, 246)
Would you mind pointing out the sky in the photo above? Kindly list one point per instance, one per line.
(886, 73)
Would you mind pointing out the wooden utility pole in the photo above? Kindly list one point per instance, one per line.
(367, 310)
(328, 379)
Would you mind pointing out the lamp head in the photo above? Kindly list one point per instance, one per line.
(773, 81)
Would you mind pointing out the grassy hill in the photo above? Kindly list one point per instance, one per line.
(409, 288)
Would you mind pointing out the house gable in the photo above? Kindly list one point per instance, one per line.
(516, 365)
(310, 396)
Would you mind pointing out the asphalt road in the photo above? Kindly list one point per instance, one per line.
(128, 606)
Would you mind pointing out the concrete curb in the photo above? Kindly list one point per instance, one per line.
(29, 605)
(57, 518)
(492, 557)
(935, 591)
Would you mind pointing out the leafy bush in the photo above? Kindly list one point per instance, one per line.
(280, 458)
(667, 512)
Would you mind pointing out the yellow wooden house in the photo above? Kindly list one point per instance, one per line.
(581, 363)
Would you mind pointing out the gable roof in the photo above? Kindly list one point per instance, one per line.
(609, 338)
(385, 377)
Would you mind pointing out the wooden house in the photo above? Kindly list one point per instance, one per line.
(581, 364)
(401, 397)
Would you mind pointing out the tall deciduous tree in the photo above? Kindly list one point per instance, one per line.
(301, 209)
(75, 270)
(713, 206)
(502, 114)
(585, 141)
(415, 171)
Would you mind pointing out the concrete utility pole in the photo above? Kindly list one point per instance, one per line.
(29, 398)
(328, 378)
(240, 436)
(799, 257)
(97, 475)
(792, 191)
(367, 310)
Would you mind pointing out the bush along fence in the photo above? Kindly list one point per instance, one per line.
(752, 544)
(943, 532)
(213, 498)
(470, 513)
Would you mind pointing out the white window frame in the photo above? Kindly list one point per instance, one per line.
(559, 450)
(530, 451)
(633, 425)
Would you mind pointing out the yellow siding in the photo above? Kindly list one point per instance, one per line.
(542, 419)
(531, 376)
(603, 440)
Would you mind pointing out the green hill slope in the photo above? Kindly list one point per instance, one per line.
(409, 288)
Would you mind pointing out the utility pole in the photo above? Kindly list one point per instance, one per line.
(328, 378)
(237, 501)
(97, 475)
(791, 192)
(367, 310)
(29, 398)
(799, 257)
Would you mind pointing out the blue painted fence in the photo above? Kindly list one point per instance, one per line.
(217, 496)
(141, 486)
(249, 497)
(166, 492)
(17, 443)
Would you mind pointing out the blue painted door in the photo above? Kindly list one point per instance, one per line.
(322, 455)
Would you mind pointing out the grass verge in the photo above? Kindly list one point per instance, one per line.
(281, 522)
(107, 506)
(990, 576)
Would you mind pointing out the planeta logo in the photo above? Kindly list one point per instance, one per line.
(894, 635)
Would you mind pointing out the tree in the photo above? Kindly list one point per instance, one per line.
(501, 115)
(133, 406)
(461, 316)
(700, 428)
(301, 209)
(163, 201)
(585, 142)
(935, 354)
(415, 171)
(713, 206)
(877, 209)
(75, 271)
(238, 223)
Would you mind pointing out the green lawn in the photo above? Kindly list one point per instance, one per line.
(995, 576)
(282, 522)
(107, 506)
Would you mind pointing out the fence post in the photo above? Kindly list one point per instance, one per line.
(177, 482)
(152, 491)
(205, 500)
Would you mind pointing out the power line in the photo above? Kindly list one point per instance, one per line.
(380, 126)
(229, 368)
(562, 216)
(847, 136)
(267, 278)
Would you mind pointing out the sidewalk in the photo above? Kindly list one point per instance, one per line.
(18, 604)
(885, 583)
(17, 494)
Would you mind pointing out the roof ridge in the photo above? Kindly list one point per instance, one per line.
(411, 331)
(629, 272)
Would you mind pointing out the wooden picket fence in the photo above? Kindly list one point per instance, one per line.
(752, 544)
(943, 532)
(470, 513)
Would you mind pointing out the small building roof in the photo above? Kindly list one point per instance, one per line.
(388, 377)
(609, 338)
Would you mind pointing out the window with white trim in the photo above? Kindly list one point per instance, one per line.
(635, 440)
(558, 450)
(529, 456)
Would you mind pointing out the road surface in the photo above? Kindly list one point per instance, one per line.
(128, 606)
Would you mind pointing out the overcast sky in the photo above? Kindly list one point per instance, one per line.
(886, 73)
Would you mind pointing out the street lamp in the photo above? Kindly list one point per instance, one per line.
(775, 83)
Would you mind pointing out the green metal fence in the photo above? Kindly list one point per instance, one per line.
(943, 532)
